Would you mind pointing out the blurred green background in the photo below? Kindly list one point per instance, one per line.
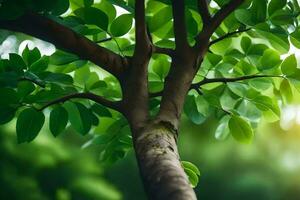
(58, 168)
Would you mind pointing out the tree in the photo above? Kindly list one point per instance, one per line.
(209, 58)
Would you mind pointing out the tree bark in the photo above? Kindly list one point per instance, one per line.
(159, 164)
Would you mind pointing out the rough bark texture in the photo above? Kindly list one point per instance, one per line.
(181, 75)
(159, 163)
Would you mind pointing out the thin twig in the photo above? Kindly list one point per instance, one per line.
(104, 40)
(228, 35)
(204, 11)
(33, 81)
(98, 99)
(227, 80)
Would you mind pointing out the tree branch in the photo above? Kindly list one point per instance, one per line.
(180, 32)
(228, 35)
(42, 85)
(204, 12)
(98, 99)
(162, 50)
(63, 37)
(141, 33)
(196, 86)
(156, 94)
(104, 40)
(227, 80)
(219, 17)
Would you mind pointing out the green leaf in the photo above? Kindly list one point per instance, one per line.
(192, 172)
(57, 78)
(222, 130)
(260, 84)
(62, 58)
(244, 16)
(286, 91)
(228, 99)
(31, 56)
(25, 88)
(92, 80)
(269, 59)
(248, 110)
(58, 120)
(202, 105)
(161, 66)
(40, 65)
(121, 25)
(191, 23)
(101, 111)
(8, 96)
(79, 117)
(108, 8)
(82, 75)
(244, 68)
(191, 166)
(277, 37)
(192, 176)
(17, 61)
(275, 5)
(240, 129)
(7, 113)
(155, 86)
(60, 7)
(295, 38)
(239, 89)
(214, 59)
(123, 4)
(159, 19)
(259, 10)
(265, 103)
(29, 123)
(282, 17)
(245, 44)
(191, 110)
(93, 16)
(289, 65)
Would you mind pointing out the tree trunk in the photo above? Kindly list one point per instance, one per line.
(159, 164)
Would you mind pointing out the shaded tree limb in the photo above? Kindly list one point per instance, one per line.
(203, 37)
(180, 32)
(156, 94)
(65, 38)
(221, 15)
(134, 83)
(204, 11)
(161, 50)
(87, 95)
(142, 39)
(228, 35)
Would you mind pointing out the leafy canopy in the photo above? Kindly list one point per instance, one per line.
(243, 78)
